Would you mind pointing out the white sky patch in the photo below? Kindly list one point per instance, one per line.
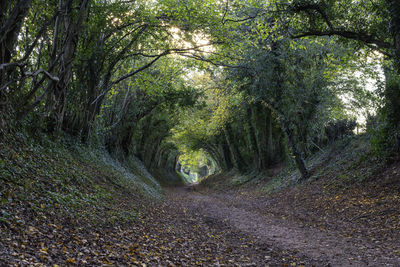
(369, 82)
(199, 40)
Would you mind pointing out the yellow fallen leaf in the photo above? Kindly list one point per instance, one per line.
(71, 260)
(32, 229)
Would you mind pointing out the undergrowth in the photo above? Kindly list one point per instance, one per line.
(339, 166)
(68, 181)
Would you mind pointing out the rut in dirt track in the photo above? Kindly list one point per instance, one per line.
(324, 248)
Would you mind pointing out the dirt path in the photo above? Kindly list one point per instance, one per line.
(191, 228)
(241, 216)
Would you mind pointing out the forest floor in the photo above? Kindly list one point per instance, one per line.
(76, 206)
(346, 214)
(178, 231)
(52, 215)
(201, 227)
(361, 233)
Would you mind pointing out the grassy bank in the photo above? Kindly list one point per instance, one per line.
(64, 180)
(342, 165)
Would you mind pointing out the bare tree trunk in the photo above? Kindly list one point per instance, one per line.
(58, 91)
(10, 27)
(226, 155)
(298, 157)
(252, 138)
(259, 126)
(270, 157)
(292, 142)
(142, 142)
(237, 158)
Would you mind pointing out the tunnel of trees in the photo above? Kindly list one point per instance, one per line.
(207, 85)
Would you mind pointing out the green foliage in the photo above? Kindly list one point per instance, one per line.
(146, 78)
(292, 81)
(392, 107)
(384, 128)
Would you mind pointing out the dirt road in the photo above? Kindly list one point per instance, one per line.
(243, 217)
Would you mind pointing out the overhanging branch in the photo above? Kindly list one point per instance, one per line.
(130, 74)
(363, 37)
(315, 7)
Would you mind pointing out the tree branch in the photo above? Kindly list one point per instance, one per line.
(358, 36)
(363, 37)
(225, 12)
(16, 15)
(218, 64)
(315, 7)
(148, 65)
(120, 79)
(50, 76)
(11, 64)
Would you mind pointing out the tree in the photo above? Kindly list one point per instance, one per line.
(372, 25)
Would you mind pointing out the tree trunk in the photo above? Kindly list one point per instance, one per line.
(394, 9)
(10, 27)
(217, 154)
(237, 159)
(259, 126)
(58, 90)
(153, 153)
(292, 141)
(252, 138)
(142, 142)
(300, 163)
(270, 157)
(227, 155)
